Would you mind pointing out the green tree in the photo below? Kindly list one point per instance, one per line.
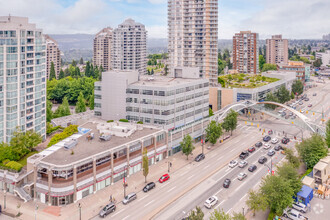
(282, 94)
(327, 134)
(87, 69)
(219, 215)
(166, 70)
(49, 112)
(61, 75)
(196, 215)
(210, 112)
(317, 63)
(230, 121)
(91, 101)
(80, 106)
(77, 72)
(74, 63)
(66, 72)
(297, 87)
(238, 216)
(145, 165)
(290, 174)
(213, 131)
(292, 159)
(292, 95)
(256, 201)
(311, 150)
(268, 66)
(81, 61)
(271, 98)
(278, 193)
(52, 74)
(63, 109)
(186, 145)
(222, 82)
(152, 72)
(262, 61)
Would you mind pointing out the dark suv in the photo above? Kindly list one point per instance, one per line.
(149, 186)
(226, 183)
(285, 140)
(252, 168)
(243, 155)
(200, 157)
(111, 207)
(262, 160)
(267, 138)
(259, 144)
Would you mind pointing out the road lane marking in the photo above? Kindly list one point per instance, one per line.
(143, 197)
(227, 170)
(171, 189)
(232, 150)
(184, 173)
(206, 167)
(228, 210)
(218, 191)
(148, 203)
(243, 197)
(219, 158)
(190, 177)
(118, 212)
(219, 204)
(126, 217)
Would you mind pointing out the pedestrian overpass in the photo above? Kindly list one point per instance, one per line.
(300, 121)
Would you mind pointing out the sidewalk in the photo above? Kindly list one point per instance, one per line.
(92, 204)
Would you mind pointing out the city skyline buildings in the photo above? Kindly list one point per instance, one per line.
(53, 54)
(277, 50)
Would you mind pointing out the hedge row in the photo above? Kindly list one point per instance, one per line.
(67, 132)
(12, 165)
(123, 120)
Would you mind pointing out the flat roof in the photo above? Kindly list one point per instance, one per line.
(320, 166)
(87, 149)
(164, 81)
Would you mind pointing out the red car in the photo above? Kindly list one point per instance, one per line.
(164, 178)
(251, 149)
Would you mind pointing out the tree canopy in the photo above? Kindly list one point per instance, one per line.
(197, 214)
(63, 109)
(145, 165)
(262, 62)
(213, 131)
(297, 87)
(219, 215)
(256, 201)
(230, 121)
(282, 94)
(327, 134)
(80, 105)
(186, 145)
(290, 174)
(52, 74)
(268, 66)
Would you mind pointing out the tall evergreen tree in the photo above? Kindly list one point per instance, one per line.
(49, 112)
(91, 101)
(77, 72)
(63, 109)
(66, 72)
(80, 105)
(81, 61)
(74, 63)
(87, 69)
(52, 74)
(61, 75)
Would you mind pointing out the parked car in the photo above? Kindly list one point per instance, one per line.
(129, 198)
(252, 168)
(259, 144)
(278, 147)
(149, 187)
(164, 178)
(241, 176)
(283, 114)
(251, 149)
(262, 160)
(274, 141)
(285, 140)
(293, 117)
(271, 153)
(300, 207)
(244, 155)
(242, 164)
(111, 207)
(233, 163)
(210, 202)
(226, 183)
(291, 113)
(267, 138)
(314, 94)
(310, 105)
(293, 214)
(300, 103)
(266, 146)
(200, 157)
(306, 99)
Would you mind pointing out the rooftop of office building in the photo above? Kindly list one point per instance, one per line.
(164, 81)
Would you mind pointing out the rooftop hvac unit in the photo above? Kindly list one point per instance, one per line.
(70, 144)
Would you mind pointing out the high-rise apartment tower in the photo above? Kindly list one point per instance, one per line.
(102, 49)
(193, 36)
(245, 52)
(53, 54)
(22, 77)
(277, 50)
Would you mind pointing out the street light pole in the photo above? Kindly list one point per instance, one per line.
(79, 206)
(203, 143)
(35, 211)
(125, 180)
(4, 198)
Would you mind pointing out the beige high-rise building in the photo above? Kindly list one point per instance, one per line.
(102, 49)
(193, 36)
(53, 54)
(129, 47)
(277, 50)
(245, 52)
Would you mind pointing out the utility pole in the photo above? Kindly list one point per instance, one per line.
(79, 206)
(125, 181)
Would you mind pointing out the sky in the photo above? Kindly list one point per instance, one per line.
(294, 19)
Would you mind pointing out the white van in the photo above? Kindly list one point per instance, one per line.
(300, 207)
(293, 214)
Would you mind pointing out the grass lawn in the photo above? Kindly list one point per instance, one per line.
(23, 159)
(246, 80)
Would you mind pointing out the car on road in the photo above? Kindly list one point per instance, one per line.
(233, 163)
(300, 207)
(267, 138)
(285, 140)
(287, 117)
(274, 141)
(149, 187)
(293, 214)
(310, 105)
(200, 157)
(129, 198)
(226, 183)
(111, 207)
(291, 113)
(259, 144)
(244, 155)
(242, 164)
(251, 149)
(252, 168)
(266, 146)
(278, 147)
(262, 160)
(300, 103)
(314, 94)
(164, 178)
(283, 114)
(293, 117)
(210, 202)
(241, 176)
(271, 153)
(306, 99)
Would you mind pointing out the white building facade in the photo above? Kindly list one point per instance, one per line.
(22, 77)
